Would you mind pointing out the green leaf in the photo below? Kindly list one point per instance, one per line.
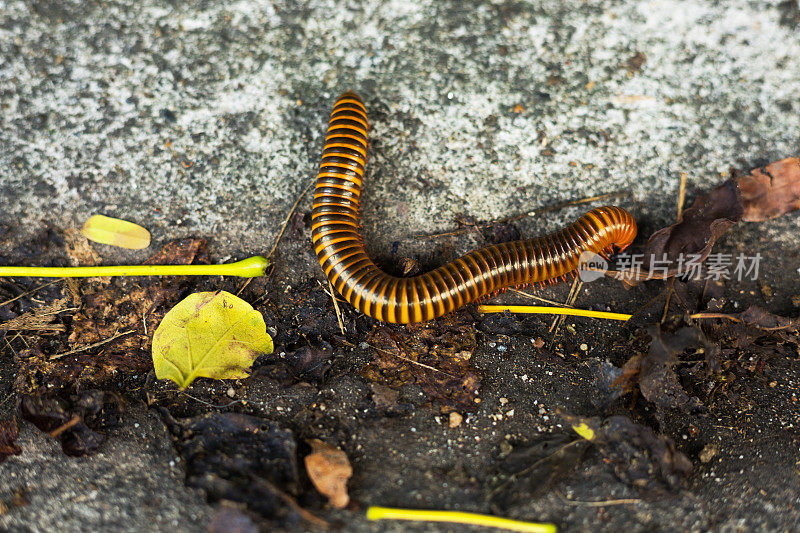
(209, 334)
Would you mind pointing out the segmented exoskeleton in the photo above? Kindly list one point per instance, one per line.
(340, 247)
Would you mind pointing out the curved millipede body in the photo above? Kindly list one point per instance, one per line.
(340, 248)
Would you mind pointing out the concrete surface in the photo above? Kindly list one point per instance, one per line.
(207, 118)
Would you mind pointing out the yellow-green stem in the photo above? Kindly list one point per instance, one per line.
(545, 310)
(246, 268)
(458, 517)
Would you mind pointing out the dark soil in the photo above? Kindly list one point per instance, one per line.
(738, 431)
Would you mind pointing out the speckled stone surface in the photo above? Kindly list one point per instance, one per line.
(208, 118)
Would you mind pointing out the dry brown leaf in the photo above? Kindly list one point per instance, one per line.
(180, 252)
(329, 469)
(764, 194)
(9, 432)
(653, 372)
(639, 456)
(706, 221)
(771, 191)
(108, 313)
(79, 250)
(435, 355)
(42, 320)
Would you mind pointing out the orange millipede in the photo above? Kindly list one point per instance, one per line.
(340, 247)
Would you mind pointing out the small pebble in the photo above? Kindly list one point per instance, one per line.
(455, 419)
(230, 392)
(708, 453)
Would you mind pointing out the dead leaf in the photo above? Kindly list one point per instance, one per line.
(8, 434)
(638, 456)
(74, 421)
(42, 320)
(180, 252)
(653, 373)
(771, 191)
(529, 470)
(329, 469)
(706, 221)
(245, 459)
(104, 315)
(764, 194)
(435, 355)
(79, 251)
(761, 333)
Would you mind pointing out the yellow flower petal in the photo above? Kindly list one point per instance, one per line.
(116, 232)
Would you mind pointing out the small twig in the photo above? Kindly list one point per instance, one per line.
(252, 266)
(336, 308)
(571, 297)
(58, 311)
(621, 501)
(561, 312)
(244, 286)
(733, 318)
(72, 422)
(458, 517)
(40, 287)
(289, 216)
(533, 296)
(90, 346)
(714, 315)
(681, 196)
(406, 359)
(10, 395)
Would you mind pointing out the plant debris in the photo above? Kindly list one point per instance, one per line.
(765, 193)
(43, 320)
(653, 372)
(703, 223)
(435, 355)
(116, 232)
(329, 469)
(9, 431)
(241, 458)
(75, 421)
(180, 252)
(771, 191)
(638, 456)
(528, 471)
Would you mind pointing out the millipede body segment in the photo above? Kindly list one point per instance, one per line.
(340, 247)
